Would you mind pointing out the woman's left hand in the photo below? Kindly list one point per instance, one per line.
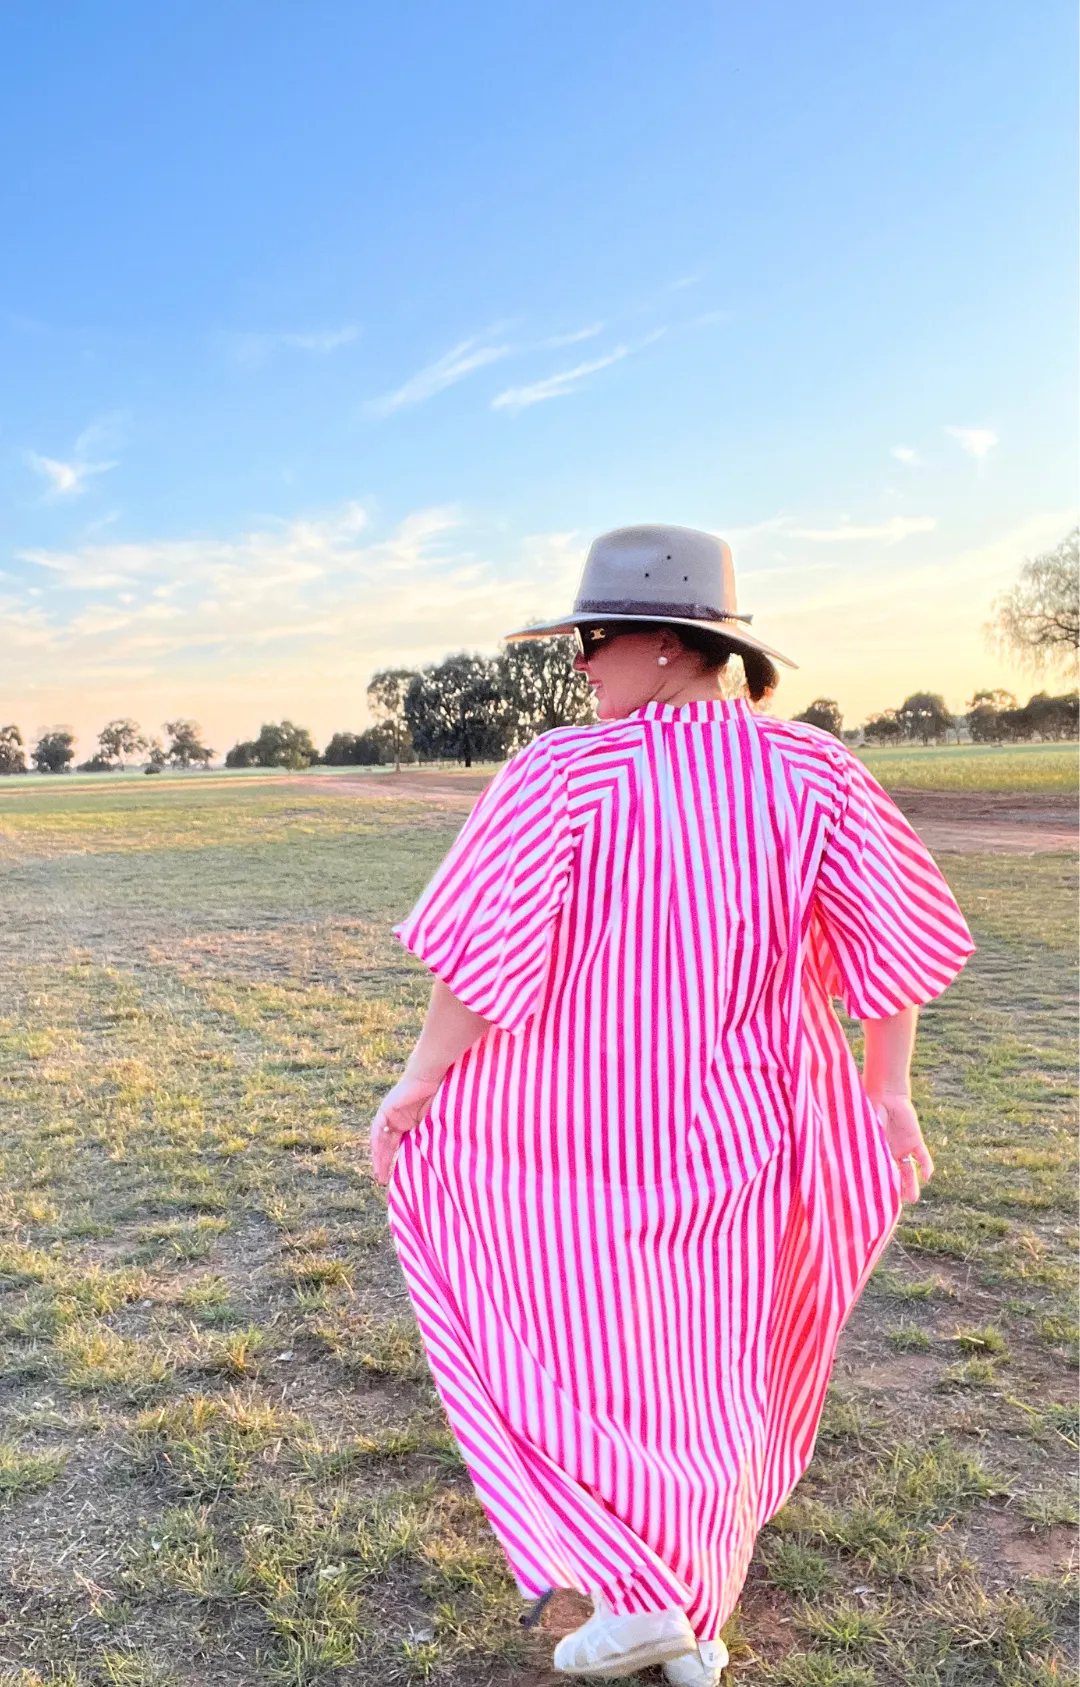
(907, 1144)
(402, 1110)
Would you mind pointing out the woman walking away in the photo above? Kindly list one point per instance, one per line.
(636, 1180)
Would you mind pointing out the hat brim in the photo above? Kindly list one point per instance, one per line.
(738, 639)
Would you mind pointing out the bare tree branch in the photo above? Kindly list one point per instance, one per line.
(1038, 620)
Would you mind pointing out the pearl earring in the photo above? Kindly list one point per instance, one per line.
(661, 661)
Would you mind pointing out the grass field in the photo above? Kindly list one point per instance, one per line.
(221, 1460)
(976, 767)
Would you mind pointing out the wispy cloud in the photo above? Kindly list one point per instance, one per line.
(303, 550)
(253, 621)
(251, 351)
(328, 340)
(109, 519)
(869, 624)
(477, 352)
(556, 386)
(965, 576)
(66, 479)
(977, 442)
(291, 618)
(708, 317)
(889, 532)
(462, 360)
(906, 454)
(574, 338)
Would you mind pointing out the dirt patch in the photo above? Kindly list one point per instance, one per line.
(453, 791)
(949, 822)
(991, 822)
(1023, 1549)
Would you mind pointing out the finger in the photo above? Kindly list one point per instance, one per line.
(925, 1162)
(375, 1146)
(388, 1154)
(380, 1162)
(396, 1119)
(912, 1168)
(375, 1152)
(384, 1147)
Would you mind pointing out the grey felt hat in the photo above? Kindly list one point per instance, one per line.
(672, 574)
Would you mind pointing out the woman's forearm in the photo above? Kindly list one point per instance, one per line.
(449, 1029)
(887, 1049)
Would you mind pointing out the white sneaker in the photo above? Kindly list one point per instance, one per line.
(610, 1646)
(703, 1668)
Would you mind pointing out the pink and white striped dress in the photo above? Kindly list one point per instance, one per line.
(643, 1205)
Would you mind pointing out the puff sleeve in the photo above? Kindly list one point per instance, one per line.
(486, 922)
(886, 917)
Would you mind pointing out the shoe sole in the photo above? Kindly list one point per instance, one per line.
(628, 1663)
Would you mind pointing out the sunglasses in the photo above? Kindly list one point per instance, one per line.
(590, 635)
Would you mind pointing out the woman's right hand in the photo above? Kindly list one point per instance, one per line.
(903, 1133)
(402, 1110)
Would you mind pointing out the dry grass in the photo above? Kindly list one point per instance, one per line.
(220, 1455)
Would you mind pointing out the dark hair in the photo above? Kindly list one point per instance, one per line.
(715, 649)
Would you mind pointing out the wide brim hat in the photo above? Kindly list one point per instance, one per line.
(676, 575)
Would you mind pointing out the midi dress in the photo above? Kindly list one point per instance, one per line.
(643, 1204)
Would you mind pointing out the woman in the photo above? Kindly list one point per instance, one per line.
(637, 1181)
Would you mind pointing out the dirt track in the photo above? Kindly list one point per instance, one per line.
(991, 822)
(950, 822)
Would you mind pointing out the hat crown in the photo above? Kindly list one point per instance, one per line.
(660, 571)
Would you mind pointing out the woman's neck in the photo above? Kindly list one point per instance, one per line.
(696, 688)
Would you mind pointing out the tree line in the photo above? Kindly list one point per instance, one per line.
(119, 742)
(481, 708)
(992, 717)
(467, 708)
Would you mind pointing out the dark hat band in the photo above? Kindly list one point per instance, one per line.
(685, 611)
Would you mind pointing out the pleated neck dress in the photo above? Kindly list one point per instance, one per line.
(644, 1203)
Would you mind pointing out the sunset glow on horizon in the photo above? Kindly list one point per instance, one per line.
(332, 338)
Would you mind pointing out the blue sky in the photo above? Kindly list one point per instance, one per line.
(331, 334)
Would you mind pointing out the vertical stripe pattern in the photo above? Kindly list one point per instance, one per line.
(643, 1205)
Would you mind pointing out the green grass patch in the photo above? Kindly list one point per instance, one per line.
(23, 1472)
(92, 1356)
(909, 1338)
(975, 767)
